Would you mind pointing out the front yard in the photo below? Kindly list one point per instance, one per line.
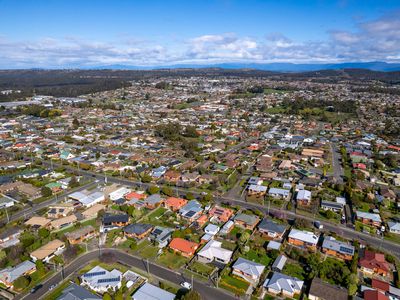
(172, 260)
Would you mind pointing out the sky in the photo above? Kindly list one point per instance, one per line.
(92, 33)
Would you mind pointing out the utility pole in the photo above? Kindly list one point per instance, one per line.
(62, 272)
(8, 218)
(192, 281)
(148, 267)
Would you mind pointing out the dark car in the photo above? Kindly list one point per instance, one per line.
(34, 290)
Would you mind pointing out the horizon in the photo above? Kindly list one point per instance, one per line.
(75, 35)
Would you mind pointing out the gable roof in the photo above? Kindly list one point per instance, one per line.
(305, 236)
(326, 291)
(213, 250)
(248, 267)
(183, 245)
(282, 282)
(76, 292)
(151, 292)
(372, 260)
(269, 225)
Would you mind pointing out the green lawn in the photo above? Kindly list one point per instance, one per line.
(147, 250)
(294, 270)
(57, 291)
(258, 257)
(203, 269)
(172, 260)
(234, 284)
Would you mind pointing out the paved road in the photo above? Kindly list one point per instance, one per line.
(208, 292)
(338, 171)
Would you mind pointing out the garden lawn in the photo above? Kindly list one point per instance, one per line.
(200, 268)
(294, 270)
(259, 257)
(172, 260)
(231, 283)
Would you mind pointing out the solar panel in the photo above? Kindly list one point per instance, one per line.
(94, 274)
(190, 214)
(346, 250)
(108, 280)
(157, 231)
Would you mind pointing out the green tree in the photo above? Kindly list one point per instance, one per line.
(244, 237)
(153, 189)
(21, 283)
(167, 191)
(73, 183)
(106, 296)
(146, 178)
(192, 295)
(41, 269)
(46, 191)
(43, 233)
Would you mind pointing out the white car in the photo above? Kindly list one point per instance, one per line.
(186, 285)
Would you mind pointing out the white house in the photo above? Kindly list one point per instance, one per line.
(101, 280)
(119, 193)
(283, 284)
(394, 227)
(88, 198)
(213, 251)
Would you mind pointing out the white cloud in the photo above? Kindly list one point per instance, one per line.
(373, 40)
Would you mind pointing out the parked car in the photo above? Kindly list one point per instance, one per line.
(36, 288)
(186, 285)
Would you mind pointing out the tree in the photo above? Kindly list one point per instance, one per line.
(73, 183)
(106, 296)
(43, 233)
(21, 282)
(244, 237)
(75, 123)
(46, 191)
(41, 269)
(167, 191)
(146, 178)
(153, 189)
(189, 196)
(192, 295)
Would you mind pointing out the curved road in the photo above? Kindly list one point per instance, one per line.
(207, 292)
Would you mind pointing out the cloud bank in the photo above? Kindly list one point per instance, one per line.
(377, 40)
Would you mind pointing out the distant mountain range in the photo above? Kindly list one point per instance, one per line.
(276, 67)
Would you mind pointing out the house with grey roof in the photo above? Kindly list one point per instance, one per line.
(76, 292)
(271, 229)
(279, 193)
(137, 230)
(153, 201)
(279, 263)
(151, 292)
(248, 270)
(246, 221)
(8, 275)
(191, 211)
(281, 284)
(336, 248)
(331, 205)
(161, 235)
(394, 227)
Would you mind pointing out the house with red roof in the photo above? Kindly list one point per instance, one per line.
(374, 295)
(175, 204)
(374, 264)
(184, 247)
(221, 214)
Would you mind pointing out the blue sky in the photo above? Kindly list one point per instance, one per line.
(146, 33)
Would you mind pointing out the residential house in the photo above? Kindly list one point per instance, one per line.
(256, 190)
(138, 230)
(375, 295)
(320, 290)
(303, 239)
(279, 193)
(10, 237)
(336, 248)
(81, 235)
(161, 235)
(60, 210)
(228, 226)
(184, 247)
(271, 230)
(37, 222)
(369, 218)
(48, 251)
(394, 227)
(63, 222)
(153, 201)
(6, 201)
(213, 251)
(303, 197)
(172, 176)
(220, 214)
(248, 270)
(111, 221)
(151, 292)
(119, 193)
(88, 198)
(284, 285)
(331, 205)
(93, 211)
(100, 280)
(76, 292)
(191, 211)
(246, 221)
(373, 263)
(8, 275)
(175, 204)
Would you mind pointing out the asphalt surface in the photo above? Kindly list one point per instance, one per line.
(207, 292)
(338, 171)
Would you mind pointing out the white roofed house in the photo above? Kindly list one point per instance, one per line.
(88, 198)
(394, 227)
(279, 193)
(248, 270)
(151, 292)
(101, 280)
(303, 197)
(119, 193)
(213, 251)
(305, 239)
(256, 190)
(281, 284)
